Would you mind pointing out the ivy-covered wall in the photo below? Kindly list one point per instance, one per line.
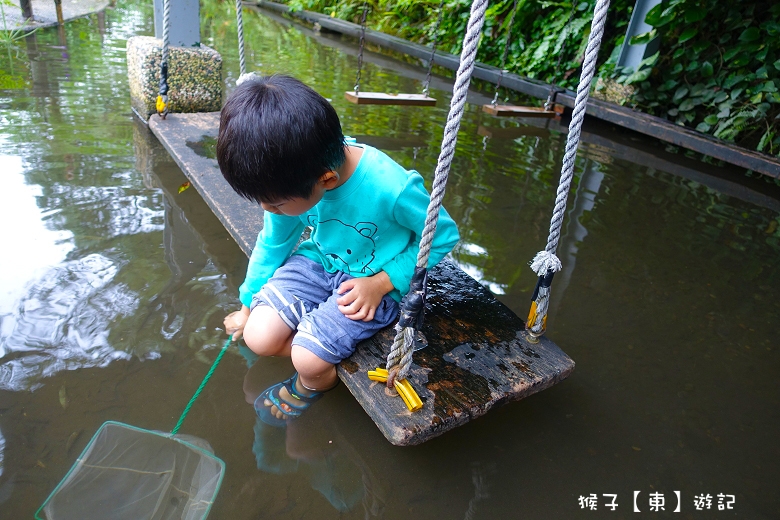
(717, 70)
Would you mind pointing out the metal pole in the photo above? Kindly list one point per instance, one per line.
(26, 6)
(58, 6)
(185, 22)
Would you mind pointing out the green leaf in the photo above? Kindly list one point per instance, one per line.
(687, 34)
(750, 34)
(765, 139)
(638, 76)
(731, 52)
(732, 80)
(673, 112)
(657, 16)
(669, 84)
(724, 113)
(769, 86)
(720, 97)
(650, 60)
(700, 46)
(679, 94)
(736, 93)
(757, 98)
(742, 59)
(703, 127)
(676, 69)
(711, 119)
(643, 38)
(777, 64)
(678, 53)
(692, 66)
(686, 105)
(694, 14)
(706, 69)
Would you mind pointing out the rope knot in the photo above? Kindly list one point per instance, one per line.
(247, 77)
(545, 261)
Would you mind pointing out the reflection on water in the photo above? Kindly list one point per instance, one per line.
(114, 294)
(33, 246)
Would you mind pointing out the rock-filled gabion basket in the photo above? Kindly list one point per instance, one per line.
(194, 76)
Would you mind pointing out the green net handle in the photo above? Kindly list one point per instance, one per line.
(202, 384)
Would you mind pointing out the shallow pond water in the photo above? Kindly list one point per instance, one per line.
(114, 286)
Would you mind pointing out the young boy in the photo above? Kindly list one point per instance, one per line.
(281, 145)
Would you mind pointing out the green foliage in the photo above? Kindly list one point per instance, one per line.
(540, 31)
(9, 37)
(718, 69)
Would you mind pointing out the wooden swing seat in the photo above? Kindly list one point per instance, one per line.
(382, 98)
(519, 111)
(478, 355)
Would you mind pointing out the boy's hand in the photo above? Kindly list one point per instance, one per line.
(364, 296)
(235, 321)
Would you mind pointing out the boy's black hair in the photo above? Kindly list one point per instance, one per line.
(277, 137)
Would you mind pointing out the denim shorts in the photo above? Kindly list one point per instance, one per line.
(304, 295)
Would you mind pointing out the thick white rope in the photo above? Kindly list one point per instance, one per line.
(164, 57)
(546, 261)
(166, 29)
(401, 351)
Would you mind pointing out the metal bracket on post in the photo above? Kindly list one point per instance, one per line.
(632, 55)
(185, 27)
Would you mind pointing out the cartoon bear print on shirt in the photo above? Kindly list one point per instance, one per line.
(358, 250)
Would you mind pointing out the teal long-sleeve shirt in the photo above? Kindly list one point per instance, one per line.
(371, 223)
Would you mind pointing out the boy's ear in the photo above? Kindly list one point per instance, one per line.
(329, 179)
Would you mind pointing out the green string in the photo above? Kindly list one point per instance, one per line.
(202, 384)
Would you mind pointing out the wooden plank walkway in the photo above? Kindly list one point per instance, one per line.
(478, 356)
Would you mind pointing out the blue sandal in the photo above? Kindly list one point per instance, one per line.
(291, 410)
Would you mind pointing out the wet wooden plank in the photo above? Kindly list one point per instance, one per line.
(478, 355)
(519, 111)
(383, 98)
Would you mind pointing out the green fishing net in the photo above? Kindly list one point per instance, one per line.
(127, 473)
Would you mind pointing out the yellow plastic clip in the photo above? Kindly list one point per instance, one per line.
(160, 105)
(380, 375)
(403, 387)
